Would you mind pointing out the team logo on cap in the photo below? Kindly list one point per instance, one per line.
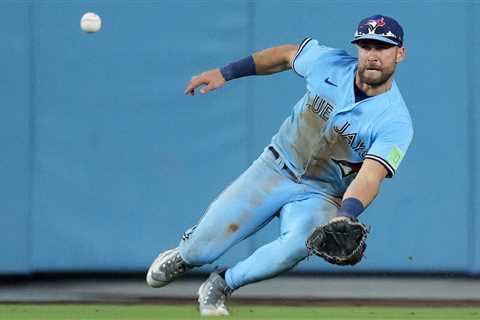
(371, 28)
(381, 28)
(374, 24)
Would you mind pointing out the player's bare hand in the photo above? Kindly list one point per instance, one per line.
(211, 80)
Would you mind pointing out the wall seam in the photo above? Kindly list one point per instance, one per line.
(471, 125)
(31, 132)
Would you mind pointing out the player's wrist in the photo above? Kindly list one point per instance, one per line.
(241, 68)
(351, 207)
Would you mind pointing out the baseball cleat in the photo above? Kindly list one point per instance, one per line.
(212, 295)
(167, 267)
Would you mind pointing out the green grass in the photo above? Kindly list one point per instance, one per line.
(157, 312)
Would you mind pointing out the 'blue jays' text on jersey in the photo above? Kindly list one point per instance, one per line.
(328, 134)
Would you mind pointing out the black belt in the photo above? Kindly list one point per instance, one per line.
(274, 152)
(277, 155)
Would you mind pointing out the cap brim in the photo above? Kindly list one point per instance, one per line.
(377, 38)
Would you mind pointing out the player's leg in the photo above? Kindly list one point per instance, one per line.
(244, 206)
(297, 221)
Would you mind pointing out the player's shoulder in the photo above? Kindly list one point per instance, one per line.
(311, 52)
(395, 115)
(315, 46)
(398, 108)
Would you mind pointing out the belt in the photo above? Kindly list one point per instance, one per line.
(276, 155)
(274, 152)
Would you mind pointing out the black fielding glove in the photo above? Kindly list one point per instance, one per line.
(342, 241)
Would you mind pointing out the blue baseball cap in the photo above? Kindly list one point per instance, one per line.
(380, 28)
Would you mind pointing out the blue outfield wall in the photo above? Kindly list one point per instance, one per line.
(15, 139)
(106, 162)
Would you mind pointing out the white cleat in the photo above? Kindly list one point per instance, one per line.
(212, 295)
(167, 267)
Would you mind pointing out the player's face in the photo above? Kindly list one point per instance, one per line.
(377, 61)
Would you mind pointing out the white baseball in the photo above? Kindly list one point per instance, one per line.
(90, 22)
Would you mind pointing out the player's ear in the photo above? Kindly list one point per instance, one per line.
(401, 53)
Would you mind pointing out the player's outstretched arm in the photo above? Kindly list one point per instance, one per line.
(268, 61)
(363, 189)
(276, 59)
(342, 240)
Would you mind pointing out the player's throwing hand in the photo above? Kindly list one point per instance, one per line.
(212, 80)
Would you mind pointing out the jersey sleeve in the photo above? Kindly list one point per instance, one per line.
(390, 145)
(308, 52)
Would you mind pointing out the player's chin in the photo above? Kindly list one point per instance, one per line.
(374, 78)
(372, 75)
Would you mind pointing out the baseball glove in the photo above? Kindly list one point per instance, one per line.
(341, 241)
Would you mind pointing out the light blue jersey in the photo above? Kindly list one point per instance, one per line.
(328, 135)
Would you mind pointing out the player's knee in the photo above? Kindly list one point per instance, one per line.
(196, 256)
(294, 251)
(295, 255)
(198, 249)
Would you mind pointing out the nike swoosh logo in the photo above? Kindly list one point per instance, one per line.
(327, 80)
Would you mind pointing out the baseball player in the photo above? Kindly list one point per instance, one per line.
(349, 131)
